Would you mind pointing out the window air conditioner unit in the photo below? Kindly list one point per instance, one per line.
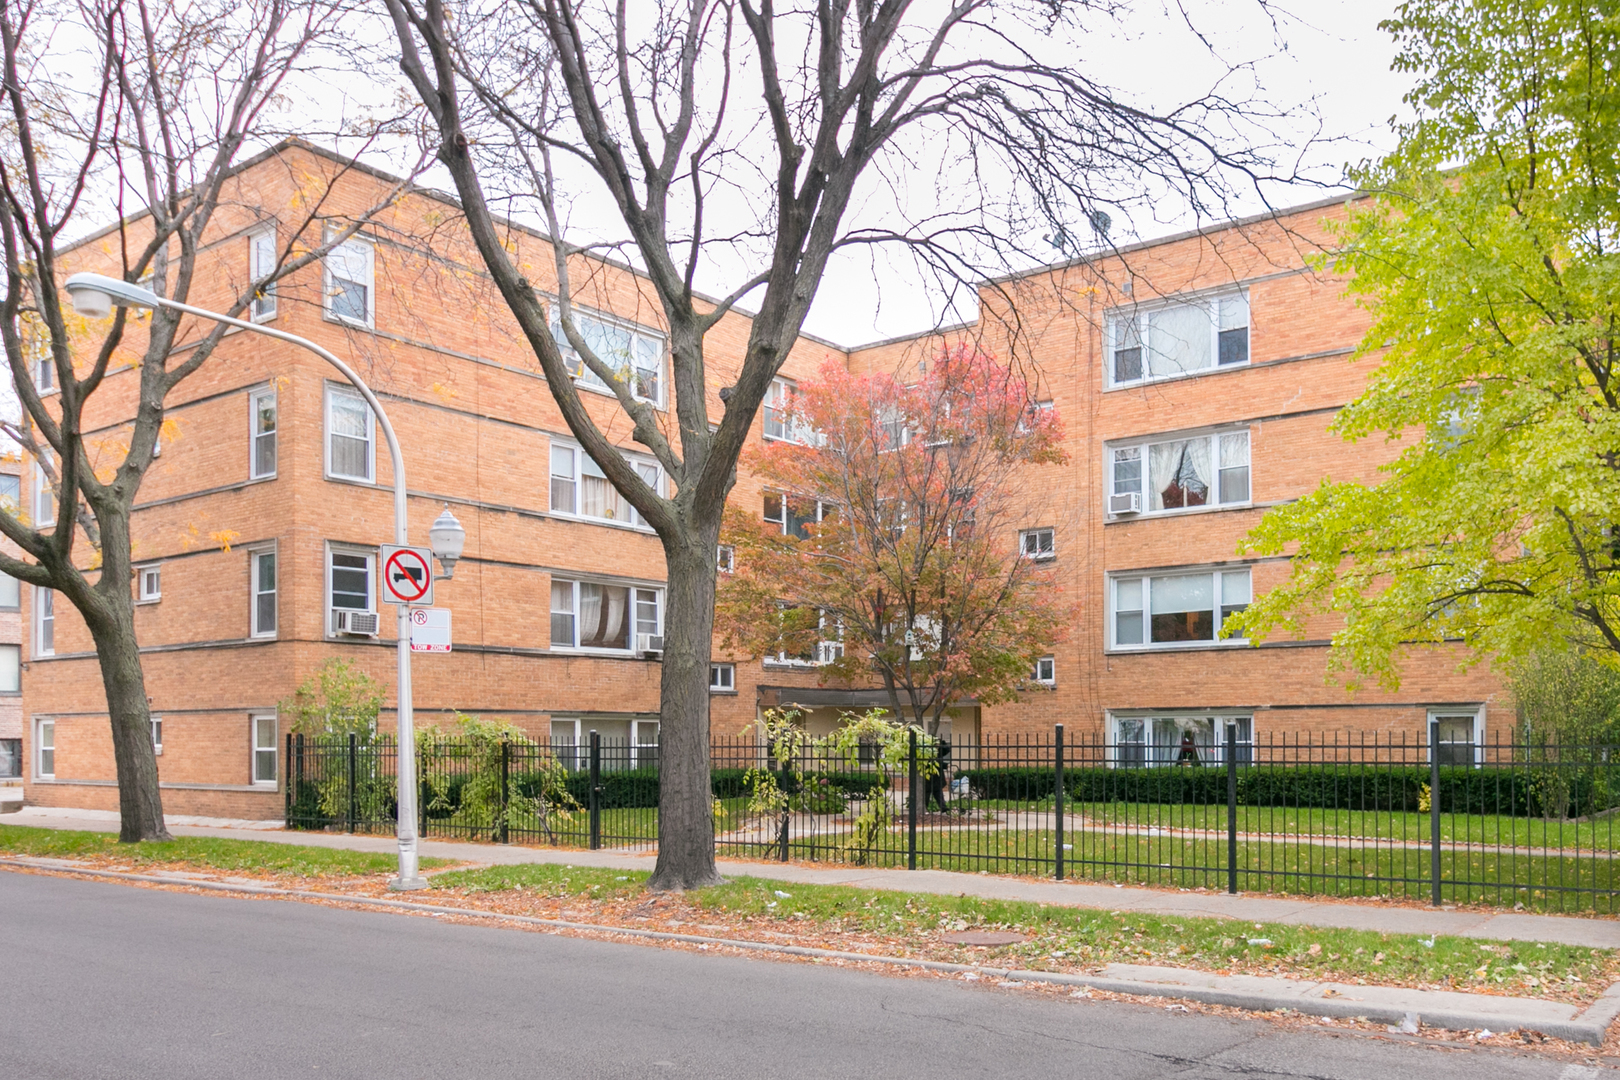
(349, 621)
(1128, 503)
(650, 643)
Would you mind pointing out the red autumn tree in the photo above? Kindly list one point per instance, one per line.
(889, 548)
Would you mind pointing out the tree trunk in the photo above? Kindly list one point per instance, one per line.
(686, 800)
(140, 803)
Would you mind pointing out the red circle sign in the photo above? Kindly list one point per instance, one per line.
(407, 576)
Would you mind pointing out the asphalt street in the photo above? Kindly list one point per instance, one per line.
(125, 983)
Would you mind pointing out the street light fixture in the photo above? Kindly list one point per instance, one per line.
(447, 538)
(94, 296)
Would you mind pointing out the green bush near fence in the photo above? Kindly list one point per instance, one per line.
(1513, 792)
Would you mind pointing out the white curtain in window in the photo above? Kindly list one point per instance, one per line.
(602, 614)
(351, 436)
(1183, 740)
(1179, 474)
(1190, 592)
(1178, 340)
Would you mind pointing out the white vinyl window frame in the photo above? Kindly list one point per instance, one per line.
(349, 552)
(264, 424)
(1045, 672)
(1128, 470)
(44, 502)
(725, 559)
(1449, 717)
(264, 592)
(642, 356)
(566, 596)
(10, 669)
(571, 467)
(157, 735)
(346, 398)
(264, 739)
(44, 621)
(45, 749)
(1038, 544)
(1152, 739)
(262, 262)
(722, 678)
(780, 503)
(775, 424)
(1131, 610)
(1222, 341)
(149, 583)
(351, 263)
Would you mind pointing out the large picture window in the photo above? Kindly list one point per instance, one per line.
(580, 488)
(595, 615)
(635, 354)
(1180, 474)
(1162, 341)
(1175, 609)
(1147, 741)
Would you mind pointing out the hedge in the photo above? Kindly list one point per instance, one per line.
(1515, 792)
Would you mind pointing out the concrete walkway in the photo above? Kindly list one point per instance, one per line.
(1602, 933)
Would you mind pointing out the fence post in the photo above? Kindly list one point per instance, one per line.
(354, 766)
(1057, 797)
(596, 790)
(287, 787)
(1434, 810)
(298, 764)
(506, 785)
(1231, 809)
(911, 806)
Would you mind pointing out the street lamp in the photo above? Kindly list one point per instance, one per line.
(447, 538)
(94, 296)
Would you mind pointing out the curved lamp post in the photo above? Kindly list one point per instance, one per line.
(94, 296)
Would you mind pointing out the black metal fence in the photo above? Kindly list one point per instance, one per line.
(1508, 823)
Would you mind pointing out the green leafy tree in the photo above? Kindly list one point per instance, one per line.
(1487, 255)
(1568, 701)
(337, 700)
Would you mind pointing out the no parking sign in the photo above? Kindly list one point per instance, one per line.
(430, 630)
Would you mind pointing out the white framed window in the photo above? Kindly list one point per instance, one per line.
(778, 402)
(350, 580)
(261, 263)
(262, 587)
(643, 743)
(565, 743)
(148, 584)
(1462, 734)
(634, 352)
(893, 432)
(10, 669)
(722, 678)
(1026, 424)
(44, 372)
(1177, 739)
(1045, 671)
(263, 730)
(1164, 340)
(11, 759)
(262, 424)
(579, 487)
(351, 435)
(599, 616)
(1168, 475)
(1038, 544)
(45, 749)
(44, 493)
(348, 270)
(792, 513)
(157, 735)
(1175, 610)
(725, 559)
(10, 593)
(827, 649)
(11, 493)
(44, 621)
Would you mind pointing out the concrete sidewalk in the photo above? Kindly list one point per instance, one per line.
(1601, 933)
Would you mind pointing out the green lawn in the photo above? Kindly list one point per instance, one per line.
(204, 853)
(1065, 937)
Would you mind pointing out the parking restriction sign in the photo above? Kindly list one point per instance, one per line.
(407, 575)
(430, 630)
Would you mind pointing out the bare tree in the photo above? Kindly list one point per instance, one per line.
(736, 139)
(108, 104)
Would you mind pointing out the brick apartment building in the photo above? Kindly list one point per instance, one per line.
(1196, 377)
(12, 724)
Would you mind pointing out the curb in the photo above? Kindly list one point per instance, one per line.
(1590, 1026)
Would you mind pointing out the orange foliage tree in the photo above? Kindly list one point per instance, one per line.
(896, 553)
